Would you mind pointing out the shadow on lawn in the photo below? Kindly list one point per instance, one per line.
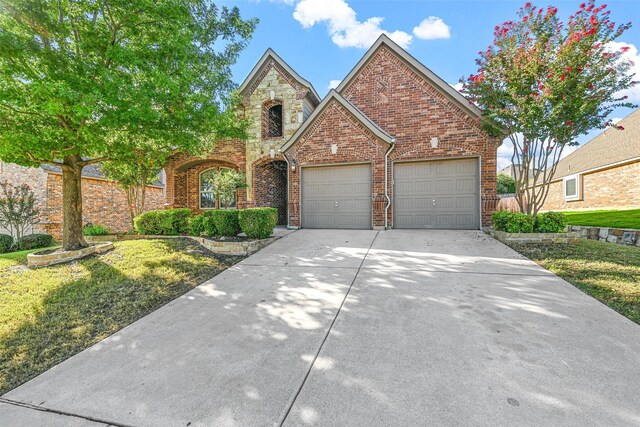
(84, 311)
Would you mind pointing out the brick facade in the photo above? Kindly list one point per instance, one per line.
(408, 107)
(103, 202)
(270, 184)
(612, 188)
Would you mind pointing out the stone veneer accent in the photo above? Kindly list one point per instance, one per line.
(45, 260)
(610, 235)
(505, 237)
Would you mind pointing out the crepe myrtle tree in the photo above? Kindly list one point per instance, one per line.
(89, 81)
(543, 82)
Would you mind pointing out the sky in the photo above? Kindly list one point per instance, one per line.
(323, 39)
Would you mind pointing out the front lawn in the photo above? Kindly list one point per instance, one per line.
(612, 219)
(610, 273)
(49, 314)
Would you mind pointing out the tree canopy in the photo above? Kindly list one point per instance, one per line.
(93, 80)
(544, 82)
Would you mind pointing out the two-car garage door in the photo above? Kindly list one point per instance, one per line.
(426, 194)
(436, 194)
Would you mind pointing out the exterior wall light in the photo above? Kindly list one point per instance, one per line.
(293, 166)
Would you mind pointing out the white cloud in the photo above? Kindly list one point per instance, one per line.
(457, 86)
(615, 120)
(633, 56)
(333, 84)
(343, 26)
(432, 28)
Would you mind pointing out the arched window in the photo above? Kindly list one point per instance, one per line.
(274, 122)
(218, 188)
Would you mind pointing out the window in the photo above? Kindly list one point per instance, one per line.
(274, 121)
(571, 185)
(208, 189)
(218, 188)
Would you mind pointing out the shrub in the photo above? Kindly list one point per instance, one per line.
(222, 222)
(520, 223)
(95, 230)
(196, 224)
(6, 242)
(34, 241)
(550, 222)
(512, 222)
(17, 208)
(170, 222)
(258, 223)
(500, 219)
(505, 184)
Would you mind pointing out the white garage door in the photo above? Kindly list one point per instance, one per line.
(336, 197)
(436, 194)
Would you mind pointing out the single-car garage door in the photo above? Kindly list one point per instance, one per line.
(336, 197)
(436, 194)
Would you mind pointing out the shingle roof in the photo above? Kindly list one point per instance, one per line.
(92, 171)
(610, 147)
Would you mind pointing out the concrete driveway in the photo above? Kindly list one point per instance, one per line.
(357, 328)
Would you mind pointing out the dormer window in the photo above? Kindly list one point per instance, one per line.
(272, 121)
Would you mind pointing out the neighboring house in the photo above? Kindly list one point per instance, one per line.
(103, 202)
(514, 171)
(604, 173)
(393, 137)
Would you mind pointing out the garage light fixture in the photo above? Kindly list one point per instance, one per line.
(293, 166)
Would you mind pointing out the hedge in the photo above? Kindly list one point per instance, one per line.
(95, 230)
(550, 222)
(222, 222)
(169, 222)
(258, 223)
(6, 243)
(196, 225)
(516, 222)
(34, 241)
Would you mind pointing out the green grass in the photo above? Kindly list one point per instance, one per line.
(608, 272)
(613, 219)
(20, 256)
(49, 314)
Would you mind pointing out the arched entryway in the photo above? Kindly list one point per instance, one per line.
(270, 187)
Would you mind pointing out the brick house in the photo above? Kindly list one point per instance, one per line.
(103, 202)
(604, 173)
(393, 146)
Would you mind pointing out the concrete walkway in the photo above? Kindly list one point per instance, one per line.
(357, 328)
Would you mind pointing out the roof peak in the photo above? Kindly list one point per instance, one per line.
(270, 53)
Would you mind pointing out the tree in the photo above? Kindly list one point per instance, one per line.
(17, 208)
(543, 83)
(505, 184)
(224, 183)
(89, 81)
(133, 177)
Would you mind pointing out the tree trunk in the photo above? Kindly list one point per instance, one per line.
(72, 237)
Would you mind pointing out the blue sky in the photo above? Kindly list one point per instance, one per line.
(323, 39)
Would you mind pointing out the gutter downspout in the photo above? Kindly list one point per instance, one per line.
(386, 183)
(286, 159)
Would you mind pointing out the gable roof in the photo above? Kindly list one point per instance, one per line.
(611, 147)
(270, 54)
(362, 118)
(437, 82)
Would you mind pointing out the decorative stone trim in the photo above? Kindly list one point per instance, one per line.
(45, 260)
(620, 236)
(505, 237)
(224, 248)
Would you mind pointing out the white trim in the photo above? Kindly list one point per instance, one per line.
(599, 168)
(578, 196)
(359, 115)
